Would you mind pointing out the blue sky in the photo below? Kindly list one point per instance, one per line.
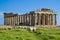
(23, 6)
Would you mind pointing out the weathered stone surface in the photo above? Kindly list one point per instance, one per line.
(43, 17)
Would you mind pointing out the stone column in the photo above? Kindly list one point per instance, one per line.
(35, 19)
(12, 20)
(30, 19)
(39, 19)
(6, 20)
(18, 19)
(9, 20)
(25, 18)
(48, 19)
(51, 19)
(15, 20)
(22, 18)
(55, 20)
(43, 19)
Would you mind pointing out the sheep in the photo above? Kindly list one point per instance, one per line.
(32, 28)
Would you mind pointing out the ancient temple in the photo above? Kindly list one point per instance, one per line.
(43, 17)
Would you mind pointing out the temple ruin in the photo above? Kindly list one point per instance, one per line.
(43, 17)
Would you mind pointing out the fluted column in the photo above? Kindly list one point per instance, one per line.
(5, 21)
(44, 19)
(35, 19)
(55, 20)
(15, 20)
(12, 20)
(22, 18)
(30, 19)
(18, 20)
(39, 19)
(9, 21)
(48, 19)
(51, 19)
(26, 20)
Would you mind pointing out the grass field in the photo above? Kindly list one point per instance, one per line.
(25, 34)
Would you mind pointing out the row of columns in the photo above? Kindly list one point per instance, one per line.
(32, 19)
(25, 19)
(13, 20)
(45, 19)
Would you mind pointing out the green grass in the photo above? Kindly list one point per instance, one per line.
(25, 34)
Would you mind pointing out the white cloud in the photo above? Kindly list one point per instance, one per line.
(1, 14)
